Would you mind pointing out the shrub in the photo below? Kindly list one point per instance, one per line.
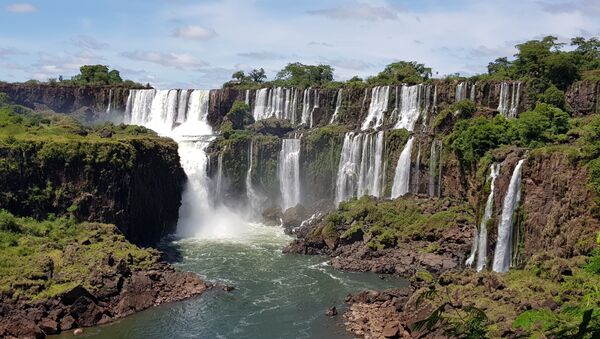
(8, 223)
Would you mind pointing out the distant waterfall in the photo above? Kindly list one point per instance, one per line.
(254, 199)
(461, 92)
(473, 93)
(161, 111)
(503, 252)
(401, 184)
(219, 184)
(289, 172)
(307, 108)
(360, 170)
(247, 98)
(338, 104)
(380, 97)
(278, 102)
(479, 247)
(414, 100)
(110, 100)
(510, 95)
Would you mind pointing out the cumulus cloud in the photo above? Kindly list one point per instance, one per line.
(9, 51)
(358, 11)
(177, 60)
(89, 42)
(194, 33)
(20, 8)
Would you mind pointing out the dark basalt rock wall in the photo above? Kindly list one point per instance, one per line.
(134, 184)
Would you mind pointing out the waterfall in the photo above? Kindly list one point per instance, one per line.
(110, 99)
(247, 98)
(379, 104)
(360, 171)
(473, 93)
(417, 180)
(219, 183)
(306, 109)
(410, 106)
(315, 107)
(338, 104)
(276, 102)
(401, 184)
(479, 247)
(254, 199)
(289, 173)
(161, 111)
(432, 168)
(503, 252)
(461, 92)
(508, 103)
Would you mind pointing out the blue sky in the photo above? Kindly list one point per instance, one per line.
(199, 44)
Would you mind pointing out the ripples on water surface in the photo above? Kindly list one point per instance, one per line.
(276, 296)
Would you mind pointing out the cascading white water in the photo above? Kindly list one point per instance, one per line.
(254, 198)
(508, 103)
(306, 107)
(289, 173)
(276, 102)
(380, 97)
(182, 106)
(473, 95)
(110, 100)
(479, 248)
(503, 252)
(315, 107)
(338, 104)
(247, 98)
(461, 92)
(411, 106)
(159, 110)
(360, 171)
(219, 183)
(401, 184)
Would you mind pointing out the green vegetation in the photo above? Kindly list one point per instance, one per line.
(237, 118)
(401, 72)
(388, 223)
(40, 259)
(92, 75)
(471, 139)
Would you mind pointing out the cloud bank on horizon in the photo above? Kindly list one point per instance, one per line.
(199, 44)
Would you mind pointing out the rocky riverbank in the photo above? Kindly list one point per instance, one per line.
(59, 275)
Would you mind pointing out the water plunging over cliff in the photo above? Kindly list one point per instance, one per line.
(380, 97)
(461, 91)
(401, 184)
(503, 253)
(338, 104)
(289, 173)
(414, 100)
(279, 102)
(161, 111)
(479, 248)
(510, 94)
(360, 171)
(254, 198)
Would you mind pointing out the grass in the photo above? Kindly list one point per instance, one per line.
(41, 259)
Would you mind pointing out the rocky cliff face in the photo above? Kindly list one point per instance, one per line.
(135, 184)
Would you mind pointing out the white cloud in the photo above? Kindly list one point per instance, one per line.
(264, 55)
(177, 60)
(20, 8)
(358, 11)
(194, 33)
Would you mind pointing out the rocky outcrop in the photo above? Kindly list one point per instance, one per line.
(134, 183)
(583, 98)
(121, 292)
(426, 234)
(90, 103)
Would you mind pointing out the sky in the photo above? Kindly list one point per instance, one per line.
(201, 43)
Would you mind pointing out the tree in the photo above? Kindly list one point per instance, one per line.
(500, 66)
(561, 69)
(258, 75)
(97, 75)
(402, 72)
(298, 74)
(239, 75)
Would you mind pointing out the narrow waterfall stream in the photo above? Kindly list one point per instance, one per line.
(289, 173)
(402, 177)
(503, 253)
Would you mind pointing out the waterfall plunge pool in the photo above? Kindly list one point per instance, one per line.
(277, 295)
